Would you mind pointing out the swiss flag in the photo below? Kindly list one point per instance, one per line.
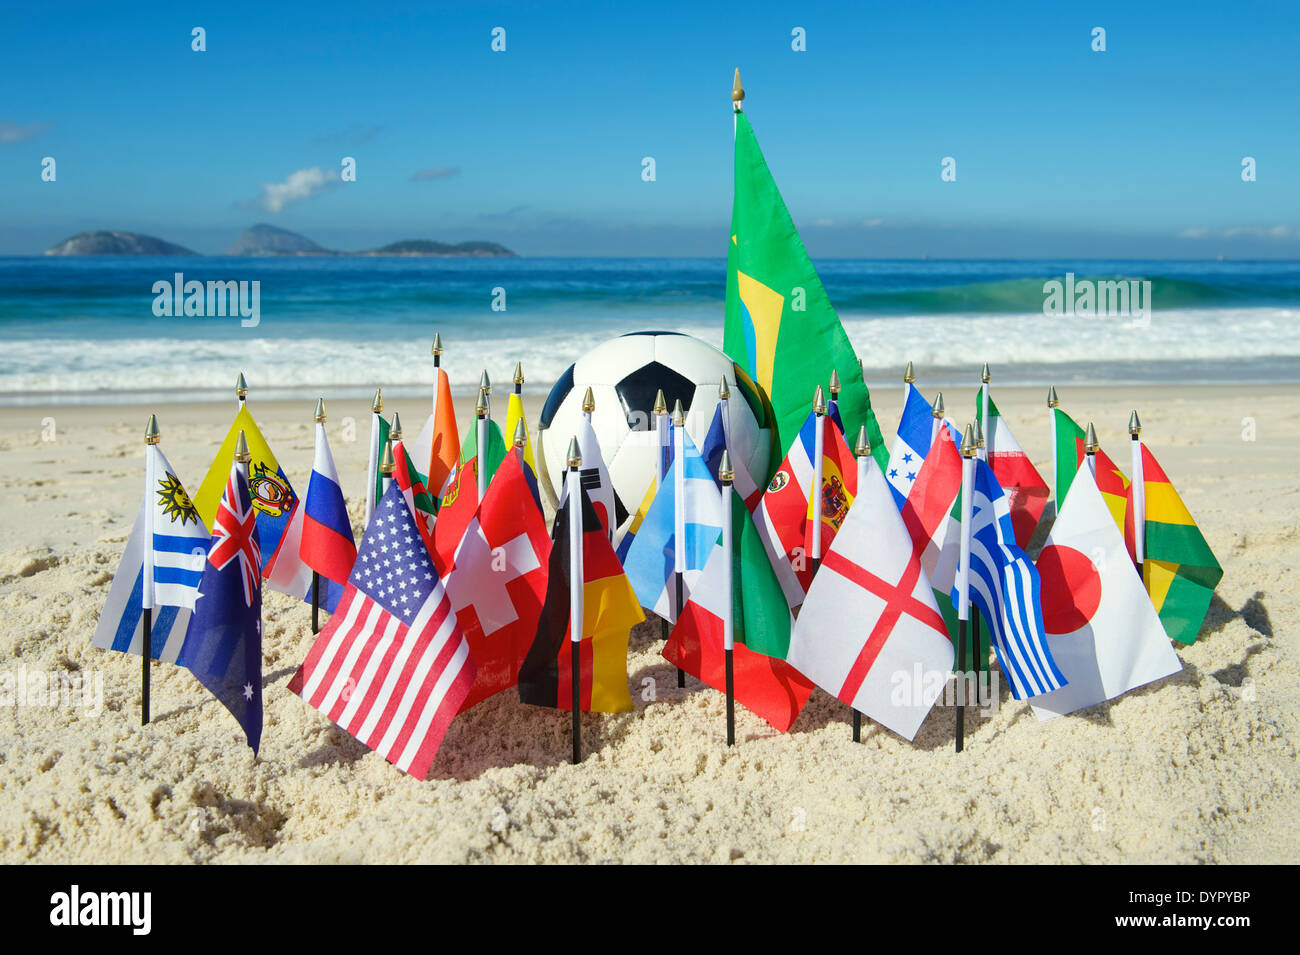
(497, 581)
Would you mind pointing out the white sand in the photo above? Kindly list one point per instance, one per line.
(1198, 768)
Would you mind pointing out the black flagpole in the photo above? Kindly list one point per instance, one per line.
(677, 612)
(315, 602)
(961, 684)
(147, 654)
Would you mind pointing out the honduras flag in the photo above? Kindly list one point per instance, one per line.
(169, 532)
(911, 445)
(679, 530)
(223, 645)
(1004, 585)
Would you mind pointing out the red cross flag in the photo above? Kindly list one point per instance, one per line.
(870, 631)
(498, 581)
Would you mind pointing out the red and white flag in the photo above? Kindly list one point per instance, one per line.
(392, 666)
(927, 512)
(498, 583)
(870, 625)
(1025, 488)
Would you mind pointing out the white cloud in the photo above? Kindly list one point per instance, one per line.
(17, 133)
(302, 184)
(1242, 231)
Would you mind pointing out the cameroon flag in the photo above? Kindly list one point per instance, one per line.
(1069, 451)
(1180, 571)
(780, 325)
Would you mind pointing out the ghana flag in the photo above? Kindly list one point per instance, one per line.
(1180, 570)
(780, 325)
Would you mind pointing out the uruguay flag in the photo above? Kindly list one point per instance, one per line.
(1005, 585)
(911, 445)
(318, 538)
(679, 530)
(223, 645)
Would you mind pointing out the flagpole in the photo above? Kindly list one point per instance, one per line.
(387, 464)
(909, 376)
(982, 451)
(241, 391)
(1090, 447)
(724, 402)
(726, 475)
(151, 438)
(574, 494)
(376, 409)
(662, 437)
(936, 426)
(315, 577)
(819, 448)
(1139, 492)
(984, 410)
(679, 518)
(968, 452)
(1052, 403)
(519, 378)
(863, 451)
(485, 383)
(481, 411)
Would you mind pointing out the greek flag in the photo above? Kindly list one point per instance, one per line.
(679, 530)
(1004, 586)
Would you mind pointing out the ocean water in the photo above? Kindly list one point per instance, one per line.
(84, 330)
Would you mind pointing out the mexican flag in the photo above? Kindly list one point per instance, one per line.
(1025, 488)
(1180, 570)
(780, 325)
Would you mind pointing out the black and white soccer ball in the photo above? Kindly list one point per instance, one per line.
(624, 375)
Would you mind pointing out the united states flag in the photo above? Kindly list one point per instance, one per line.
(392, 666)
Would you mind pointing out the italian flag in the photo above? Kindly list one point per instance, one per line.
(1069, 451)
(1180, 570)
(1025, 488)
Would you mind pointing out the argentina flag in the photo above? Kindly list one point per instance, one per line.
(1004, 585)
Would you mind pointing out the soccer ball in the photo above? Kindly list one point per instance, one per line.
(624, 375)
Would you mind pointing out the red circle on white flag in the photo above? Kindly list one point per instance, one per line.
(1071, 588)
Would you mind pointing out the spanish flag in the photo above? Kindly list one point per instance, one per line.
(1180, 571)
(610, 611)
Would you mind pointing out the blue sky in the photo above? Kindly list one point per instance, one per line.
(1060, 150)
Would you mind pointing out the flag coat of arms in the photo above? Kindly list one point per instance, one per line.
(870, 616)
(780, 325)
(178, 549)
(498, 582)
(766, 685)
(1180, 571)
(785, 515)
(1024, 487)
(392, 666)
(653, 556)
(1004, 585)
(437, 447)
(1103, 632)
(273, 495)
(459, 505)
(610, 611)
(223, 643)
(318, 538)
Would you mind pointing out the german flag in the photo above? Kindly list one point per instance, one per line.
(610, 611)
(1180, 571)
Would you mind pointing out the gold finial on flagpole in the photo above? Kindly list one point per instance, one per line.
(387, 463)
(661, 403)
(864, 443)
(1052, 400)
(481, 406)
(319, 416)
(726, 473)
(588, 401)
(437, 345)
(938, 406)
(519, 374)
(737, 93)
(395, 431)
(724, 390)
(1090, 445)
(979, 434)
(909, 374)
(241, 387)
(984, 373)
(241, 449)
(485, 383)
(1134, 424)
(521, 434)
(819, 401)
(377, 405)
(151, 433)
(968, 446)
(679, 416)
(574, 458)
(835, 384)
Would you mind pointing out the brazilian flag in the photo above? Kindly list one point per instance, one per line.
(780, 326)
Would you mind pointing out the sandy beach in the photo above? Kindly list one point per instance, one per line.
(1200, 767)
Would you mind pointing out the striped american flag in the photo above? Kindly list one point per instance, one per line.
(392, 666)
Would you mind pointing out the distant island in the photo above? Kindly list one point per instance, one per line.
(265, 240)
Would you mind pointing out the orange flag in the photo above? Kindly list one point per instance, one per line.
(438, 446)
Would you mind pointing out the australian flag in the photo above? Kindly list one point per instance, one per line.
(223, 645)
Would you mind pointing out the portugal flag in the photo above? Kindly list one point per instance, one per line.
(610, 611)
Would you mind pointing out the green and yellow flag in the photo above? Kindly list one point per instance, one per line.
(780, 325)
(1180, 571)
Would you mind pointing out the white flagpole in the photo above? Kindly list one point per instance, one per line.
(865, 461)
(1052, 403)
(985, 425)
(573, 491)
(726, 475)
(437, 368)
(481, 412)
(376, 408)
(936, 427)
(151, 439)
(1090, 447)
(968, 452)
(819, 448)
(1139, 491)
(662, 438)
(241, 391)
(679, 517)
(386, 467)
